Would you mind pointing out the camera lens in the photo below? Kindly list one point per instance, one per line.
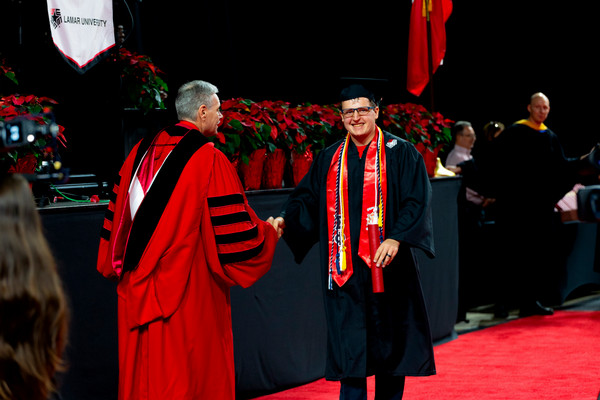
(15, 133)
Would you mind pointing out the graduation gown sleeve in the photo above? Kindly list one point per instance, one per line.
(244, 244)
(409, 219)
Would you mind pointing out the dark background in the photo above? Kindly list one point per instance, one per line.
(498, 53)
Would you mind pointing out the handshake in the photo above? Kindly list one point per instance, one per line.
(278, 224)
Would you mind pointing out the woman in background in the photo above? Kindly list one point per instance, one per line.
(33, 306)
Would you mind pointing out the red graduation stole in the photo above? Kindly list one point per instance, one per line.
(373, 207)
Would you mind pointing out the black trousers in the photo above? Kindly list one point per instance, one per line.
(386, 388)
(529, 258)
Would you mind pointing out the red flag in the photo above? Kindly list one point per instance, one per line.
(418, 57)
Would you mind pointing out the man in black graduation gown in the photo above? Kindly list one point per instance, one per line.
(528, 174)
(374, 174)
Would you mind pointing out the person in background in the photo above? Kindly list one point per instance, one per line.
(464, 140)
(33, 306)
(369, 173)
(528, 174)
(487, 271)
(461, 162)
(177, 235)
(471, 207)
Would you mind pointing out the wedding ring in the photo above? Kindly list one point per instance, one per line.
(387, 255)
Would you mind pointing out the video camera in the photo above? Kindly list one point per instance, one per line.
(588, 204)
(22, 131)
(588, 198)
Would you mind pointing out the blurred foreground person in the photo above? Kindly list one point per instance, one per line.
(33, 306)
(177, 235)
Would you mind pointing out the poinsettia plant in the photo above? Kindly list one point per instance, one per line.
(270, 119)
(317, 127)
(143, 85)
(416, 124)
(281, 125)
(238, 132)
(29, 158)
(248, 126)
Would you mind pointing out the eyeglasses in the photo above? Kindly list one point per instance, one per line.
(362, 111)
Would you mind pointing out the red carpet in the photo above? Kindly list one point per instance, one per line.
(535, 358)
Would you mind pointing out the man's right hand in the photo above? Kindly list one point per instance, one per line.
(277, 223)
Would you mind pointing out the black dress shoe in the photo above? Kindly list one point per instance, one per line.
(462, 316)
(535, 309)
(500, 312)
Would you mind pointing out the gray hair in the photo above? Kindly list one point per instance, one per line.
(191, 96)
(459, 126)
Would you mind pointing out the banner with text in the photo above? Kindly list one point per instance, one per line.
(82, 31)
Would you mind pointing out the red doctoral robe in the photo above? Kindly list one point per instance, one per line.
(191, 239)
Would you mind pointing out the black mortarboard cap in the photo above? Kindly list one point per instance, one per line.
(371, 88)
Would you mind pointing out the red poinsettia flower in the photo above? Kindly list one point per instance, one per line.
(144, 88)
(24, 165)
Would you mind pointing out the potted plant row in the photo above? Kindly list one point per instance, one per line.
(264, 139)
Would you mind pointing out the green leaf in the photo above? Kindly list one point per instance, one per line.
(11, 75)
(234, 140)
(236, 125)
(265, 130)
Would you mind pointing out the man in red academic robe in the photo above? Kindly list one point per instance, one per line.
(178, 234)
